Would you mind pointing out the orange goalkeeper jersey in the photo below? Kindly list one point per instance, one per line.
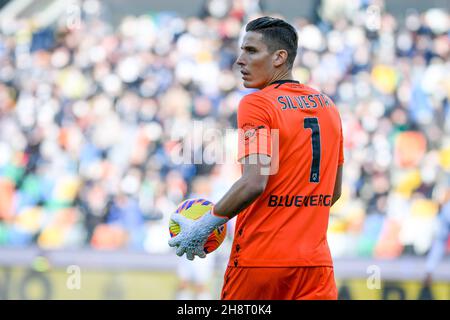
(300, 129)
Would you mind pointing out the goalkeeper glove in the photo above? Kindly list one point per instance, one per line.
(194, 233)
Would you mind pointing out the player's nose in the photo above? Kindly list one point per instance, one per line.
(240, 61)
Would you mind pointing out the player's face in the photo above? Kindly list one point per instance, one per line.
(255, 61)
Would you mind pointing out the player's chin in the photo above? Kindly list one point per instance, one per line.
(249, 84)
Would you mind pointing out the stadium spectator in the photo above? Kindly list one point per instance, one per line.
(79, 110)
(438, 248)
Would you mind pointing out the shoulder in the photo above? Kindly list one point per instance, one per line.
(255, 105)
(324, 97)
(257, 98)
(311, 90)
(255, 102)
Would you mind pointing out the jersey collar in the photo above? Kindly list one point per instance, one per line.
(280, 82)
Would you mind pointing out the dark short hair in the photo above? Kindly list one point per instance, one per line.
(277, 34)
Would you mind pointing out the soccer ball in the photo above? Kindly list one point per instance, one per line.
(194, 209)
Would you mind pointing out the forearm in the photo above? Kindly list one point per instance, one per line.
(239, 197)
(334, 199)
(337, 185)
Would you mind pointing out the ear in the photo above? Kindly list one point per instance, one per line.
(279, 57)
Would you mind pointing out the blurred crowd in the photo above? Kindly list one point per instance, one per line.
(92, 117)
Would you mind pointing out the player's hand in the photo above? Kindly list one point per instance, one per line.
(190, 240)
(194, 233)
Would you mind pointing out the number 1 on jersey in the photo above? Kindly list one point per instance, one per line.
(313, 124)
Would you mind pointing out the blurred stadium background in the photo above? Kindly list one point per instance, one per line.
(92, 92)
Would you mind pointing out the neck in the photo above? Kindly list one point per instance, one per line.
(283, 75)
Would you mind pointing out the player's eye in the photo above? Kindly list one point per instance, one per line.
(249, 49)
